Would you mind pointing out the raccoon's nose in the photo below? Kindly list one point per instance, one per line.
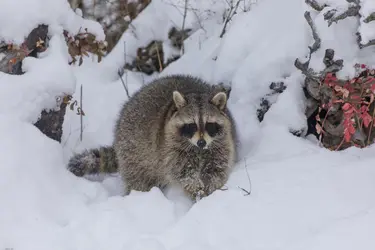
(201, 143)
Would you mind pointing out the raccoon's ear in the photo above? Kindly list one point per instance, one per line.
(220, 100)
(178, 99)
(227, 89)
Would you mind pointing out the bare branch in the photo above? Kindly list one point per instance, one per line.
(124, 84)
(228, 18)
(317, 40)
(315, 5)
(370, 43)
(247, 192)
(199, 21)
(159, 58)
(369, 18)
(359, 41)
(81, 113)
(331, 16)
(304, 67)
(183, 25)
(354, 1)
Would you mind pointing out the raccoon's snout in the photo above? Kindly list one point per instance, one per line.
(201, 143)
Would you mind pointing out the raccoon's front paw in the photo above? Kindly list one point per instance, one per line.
(199, 195)
(214, 180)
(195, 190)
(212, 187)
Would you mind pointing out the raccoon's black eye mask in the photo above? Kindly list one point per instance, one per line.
(213, 128)
(188, 130)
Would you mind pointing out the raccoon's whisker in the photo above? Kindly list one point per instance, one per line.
(187, 146)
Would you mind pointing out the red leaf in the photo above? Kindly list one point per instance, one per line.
(346, 106)
(337, 101)
(367, 119)
(365, 116)
(330, 79)
(348, 87)
(363, 66)
(356, 97)
(351, 129)
(347, 135)
(369, 79)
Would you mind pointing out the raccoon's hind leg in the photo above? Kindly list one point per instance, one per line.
(140, 186)
(100, 160)
(136, 179)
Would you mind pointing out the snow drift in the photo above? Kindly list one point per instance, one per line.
(302, 196)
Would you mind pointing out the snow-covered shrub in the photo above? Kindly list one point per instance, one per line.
(40, 37)
(347, 109)
(114, 15)
(341, 110)
(82, 44)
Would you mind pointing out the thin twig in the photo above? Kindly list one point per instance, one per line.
(317, 43)
(369, 133)
(159, 58)
(324, 120)
(342, 142)
(228, 18)
(81, 113)
(183, 27)
(199, 21)
(124, 84)
(247, 192)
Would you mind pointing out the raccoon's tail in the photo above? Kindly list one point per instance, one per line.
(100, 160)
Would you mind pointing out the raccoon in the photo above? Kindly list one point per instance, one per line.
(174, 130)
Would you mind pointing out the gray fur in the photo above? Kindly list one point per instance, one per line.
(93, 161)
(150, 150)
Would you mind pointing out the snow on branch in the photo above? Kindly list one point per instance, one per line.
(79, 45)
(315, 5)
(340, 112)
(333, 16)
(369, 18)
(228, 18)
(359, 41)
(317, 42)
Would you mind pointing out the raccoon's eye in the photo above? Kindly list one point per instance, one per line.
(188, 130)
(212, 128)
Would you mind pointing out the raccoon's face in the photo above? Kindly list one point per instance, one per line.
(200, 120)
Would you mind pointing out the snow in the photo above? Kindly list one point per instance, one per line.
(302, 196)
(367, 29)
(25, 96)
(17, 20)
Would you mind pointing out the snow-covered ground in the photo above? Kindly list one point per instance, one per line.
(302, 196)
